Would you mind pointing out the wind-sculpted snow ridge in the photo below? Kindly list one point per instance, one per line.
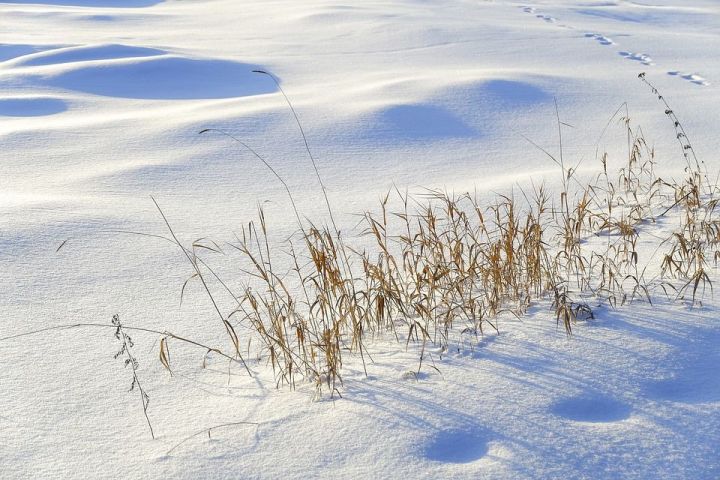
(9, 51)
(138, 72)
(164, 78)
(84, 53)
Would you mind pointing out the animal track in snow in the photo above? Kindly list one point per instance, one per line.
(643, 58)
(691, 77)
(601, 39)
(547, 18)
(457, 446)
(591, 409)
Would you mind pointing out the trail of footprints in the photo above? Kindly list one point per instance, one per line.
(604, 40)
(546, 18)
(601, 39)
(691, 77)
(643, 58)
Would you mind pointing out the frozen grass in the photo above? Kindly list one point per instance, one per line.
(443, 267)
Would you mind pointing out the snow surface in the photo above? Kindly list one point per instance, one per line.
(101, 103)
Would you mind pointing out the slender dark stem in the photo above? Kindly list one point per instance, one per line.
(208, 431)
(305, 141)
(144, 398)
(560, 141)
(194, 263)
(680, 133)
(125, 327)
(266, 163)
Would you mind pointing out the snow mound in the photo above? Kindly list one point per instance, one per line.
(512, 93)
(166, 77)
(430, 120)
(416, 122)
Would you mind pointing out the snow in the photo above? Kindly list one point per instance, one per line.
(101, 103)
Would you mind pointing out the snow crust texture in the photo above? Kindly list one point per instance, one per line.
(101, 102)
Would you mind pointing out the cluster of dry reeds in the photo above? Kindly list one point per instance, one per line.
(438, 268)
(442, 264)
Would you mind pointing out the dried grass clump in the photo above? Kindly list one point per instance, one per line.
(440, 266)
